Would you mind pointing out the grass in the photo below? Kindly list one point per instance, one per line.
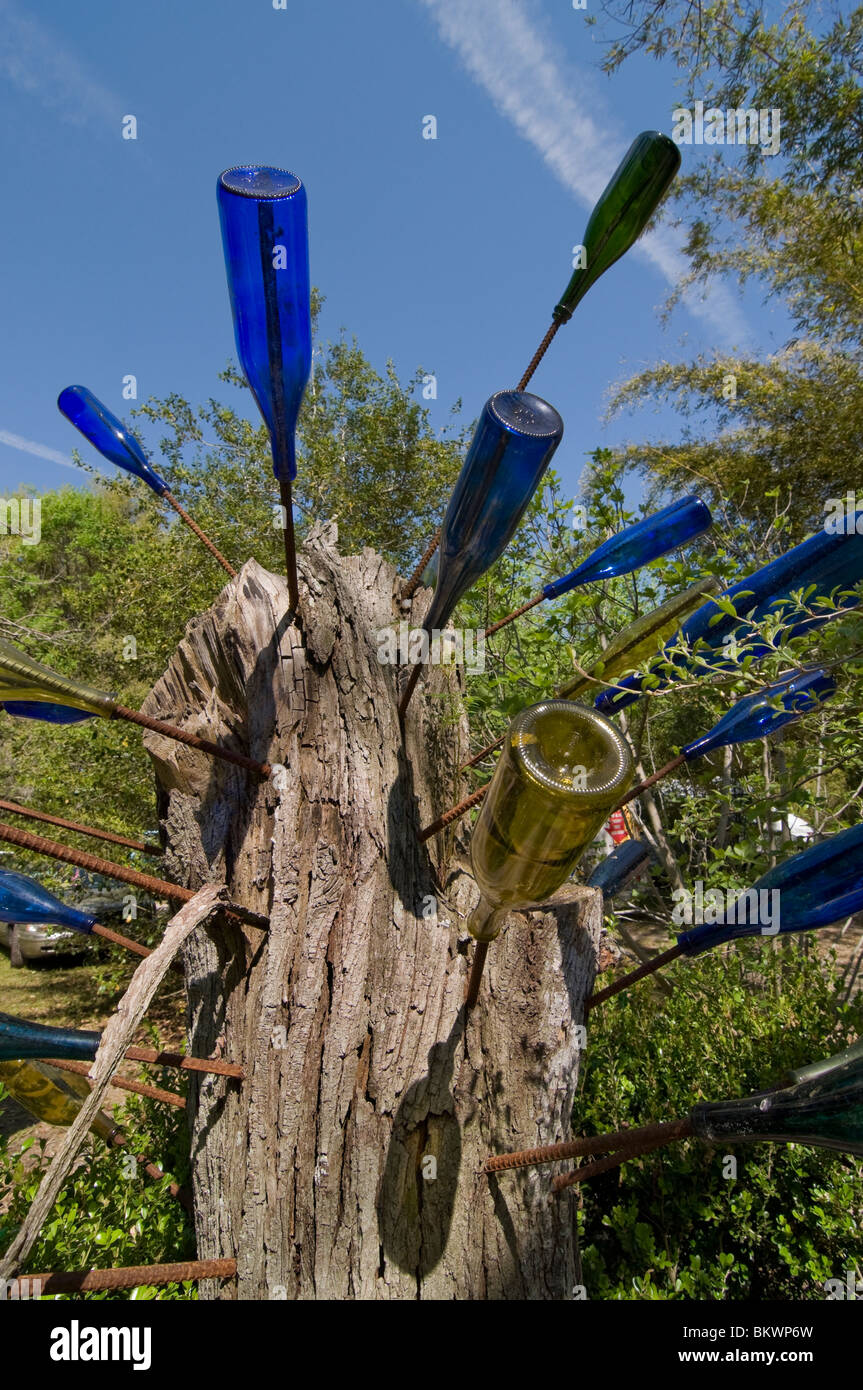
(85, 994)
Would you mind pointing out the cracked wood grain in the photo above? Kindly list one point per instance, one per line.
(348, 1016)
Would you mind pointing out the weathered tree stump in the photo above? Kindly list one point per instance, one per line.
(347, 1165)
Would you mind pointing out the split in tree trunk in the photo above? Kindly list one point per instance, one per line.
(348, 1163)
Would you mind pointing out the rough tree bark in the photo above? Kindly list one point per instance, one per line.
(348, 1014)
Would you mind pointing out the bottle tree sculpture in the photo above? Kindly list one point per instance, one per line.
(338, 1154)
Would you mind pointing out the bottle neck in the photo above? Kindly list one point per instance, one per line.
(484, 922)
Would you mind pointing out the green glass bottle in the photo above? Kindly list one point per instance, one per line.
(822, 1108)
(828, 1067)
(51, 1096)
(562, 769)
(643, 638)
(624, 209)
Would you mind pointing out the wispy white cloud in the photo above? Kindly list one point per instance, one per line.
(29, 446)
(33, 60)
(502, 46)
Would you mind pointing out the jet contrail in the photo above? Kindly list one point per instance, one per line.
(30, 446)
(32, 58)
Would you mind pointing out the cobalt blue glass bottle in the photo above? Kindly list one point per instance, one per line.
(617, 870)
(20, 1039)
(512, 446)
(637, 545)
(821, 885)
(22, 899)
(756, 716)
(108, 435)
(832, 563)
(265, 236)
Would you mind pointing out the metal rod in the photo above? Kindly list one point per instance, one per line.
(413, 583)
(664, 958)
(409, 690)
(577, 1148)
(453, 814)
(182, 1063)
(193, 526)
(677, 1129)
(138, 1087)
(14, 809)
(290, 543)
(479, 955)
(215, 750)
(585, 1171)
(84, 860)
(540, 353)
(119, 1140)
(127, 1277)
(127, 943)
(516, 613)
(649, 781)
(483, 753)
(119, 940)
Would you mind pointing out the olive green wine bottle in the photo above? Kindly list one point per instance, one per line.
(633, 647)
(51, 1096)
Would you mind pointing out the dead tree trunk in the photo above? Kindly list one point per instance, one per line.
(347, 1165)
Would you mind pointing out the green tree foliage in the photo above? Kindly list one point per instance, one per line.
(109, 1212)
(790, 223)
(676, 1224)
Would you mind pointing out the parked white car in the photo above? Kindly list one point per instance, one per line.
(29, 941)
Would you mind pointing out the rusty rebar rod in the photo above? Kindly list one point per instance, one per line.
(203, 745)
(590, 1144)
(453, 813)
(138, 1087)
(409, 689)
(516, 613)
(15, 810)
(135, 947)
(649, 781)
(290, 543)
(126, 1277)
(119, 940)
(483, 753)
(410, 588)
(177, 1059)
(183, 1196)
(540, 353)
(585, 1171)
(664, 958)
(84, 860)
(674, 1130)
(477, 967)
(193, 526)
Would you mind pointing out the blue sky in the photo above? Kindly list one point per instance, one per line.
(447, 254)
